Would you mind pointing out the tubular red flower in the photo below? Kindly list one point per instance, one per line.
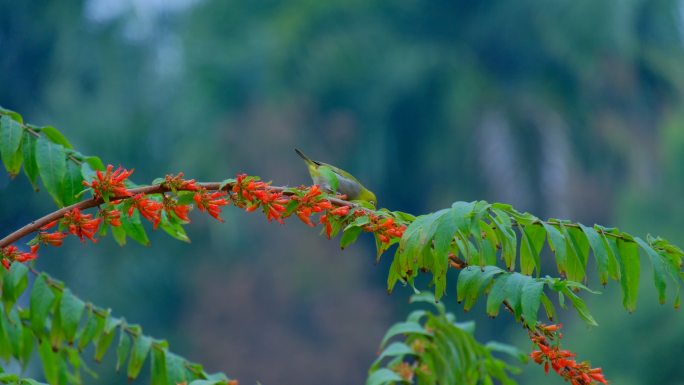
(113, 217)
(53, 239)
(546, 338)
(111, 183)
(81, 225)
(211, 202)
(177, 182)
(11, 253)
(148, 208)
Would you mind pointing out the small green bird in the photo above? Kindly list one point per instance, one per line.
(334, 179)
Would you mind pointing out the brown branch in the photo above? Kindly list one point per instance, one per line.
(154, 189)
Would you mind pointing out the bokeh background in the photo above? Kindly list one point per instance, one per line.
(566, 108)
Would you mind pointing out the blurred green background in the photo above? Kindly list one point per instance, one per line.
(566, 108)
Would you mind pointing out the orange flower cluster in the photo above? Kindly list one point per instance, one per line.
(180, 211)
(11, 253)
(112, 217)
(547, 338)
(53, 239)
(148, 208)
(210, 202)
(252, 194)
(81, 225)
(177, 182)
(384, 228)
(111, 183)
(405, 371)
(309, 203)
(337, 212)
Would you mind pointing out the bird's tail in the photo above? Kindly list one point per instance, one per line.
(306, 158)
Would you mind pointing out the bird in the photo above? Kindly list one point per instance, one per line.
(336, 180)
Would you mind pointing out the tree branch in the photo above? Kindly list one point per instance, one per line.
(154, 189)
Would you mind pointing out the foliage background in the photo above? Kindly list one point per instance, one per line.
(569, 109)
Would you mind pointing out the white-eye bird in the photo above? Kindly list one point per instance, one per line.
(336, 180)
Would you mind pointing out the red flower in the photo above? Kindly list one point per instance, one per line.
(341, 211)
(111, 183)
(251, 194)
(328, 226)
(53, 239)
(148, 208)
(309, 203)
(113, 217)
(11, 253)
(211, 202)
(549, 353)
(81, 225)
(178, 183)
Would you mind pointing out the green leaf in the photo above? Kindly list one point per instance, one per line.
(173, 227)
(93, 326)
(175, 368)
(14, 283)
(403, 328)
(10, 143)
(207, 382)
(124, 347)
(28, 149)
(5, 345)
(472, 281)
(119, 233)
(531, 299)
(497, 295)
(141, 347)
(581, 308)
(533, 237)
(630, 268)
(549, 309)
(393, 350)
(507, 288)
(506, 235)
(349, 236)
(41, 301)
(26, 346)
(14, 333)
(358, 222)
(395, 274)
(51, 160)
(660, 269)
(507, 349)
(558, 246)
(490, 244)
(72, 184)
(104, 339)
(158, 367)
(88, 172)
(95, 163)
(50, 361)
(12, 114)
(56, 333)
(610, 244)
(600, 251)
(383, 376)
(578, 251)
(55, 136)
(134, 228)
(71, 309)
